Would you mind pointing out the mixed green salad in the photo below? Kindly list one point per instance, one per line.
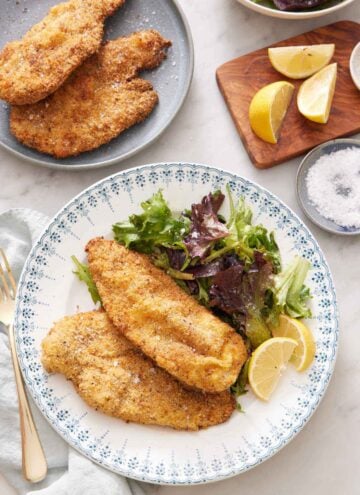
(229, 265)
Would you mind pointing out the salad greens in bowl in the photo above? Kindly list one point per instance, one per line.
(295, 9)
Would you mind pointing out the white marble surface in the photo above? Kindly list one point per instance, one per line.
(324, 458)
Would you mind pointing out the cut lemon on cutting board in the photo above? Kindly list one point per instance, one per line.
(267, 363)
(316, 94)
(305, 351)
(268, 109)
(299, 62)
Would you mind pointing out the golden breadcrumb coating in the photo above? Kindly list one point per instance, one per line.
(39, 63)
(167, 324)
(100, 100)
(114, 377)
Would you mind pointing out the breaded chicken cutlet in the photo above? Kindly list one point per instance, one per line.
(114, 377)
(168, 325)
(101, 99)
(39, 63)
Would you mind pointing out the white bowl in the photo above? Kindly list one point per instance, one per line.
(355, 59)
(293, 15)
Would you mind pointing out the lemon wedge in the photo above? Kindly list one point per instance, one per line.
(316, 94)
(267, 363)
(299, 62)
(268, 109)
(305, 351)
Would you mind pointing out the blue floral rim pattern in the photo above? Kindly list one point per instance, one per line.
(143, 467)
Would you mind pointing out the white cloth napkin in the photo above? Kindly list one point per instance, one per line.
(69, 472)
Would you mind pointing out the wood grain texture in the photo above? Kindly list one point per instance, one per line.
(242, 77)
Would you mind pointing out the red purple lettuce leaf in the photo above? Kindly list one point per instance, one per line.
(214, 267)
(226, 293)
(297, 4)
(205, 225)
(236, 290)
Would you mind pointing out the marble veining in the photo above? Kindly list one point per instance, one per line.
(323, 459)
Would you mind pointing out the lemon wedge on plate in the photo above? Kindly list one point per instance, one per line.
(267, 363)
(268, 109)
(305, 351)
(299, 62)
(316, 94)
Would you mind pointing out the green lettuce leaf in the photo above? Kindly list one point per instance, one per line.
(239, 387)
(156, 226)
(245, 238)
(291, 295)
(84, 275)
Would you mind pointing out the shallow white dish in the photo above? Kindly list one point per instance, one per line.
(273, 12)
(302, 193)
(355, 66)
(48, 290)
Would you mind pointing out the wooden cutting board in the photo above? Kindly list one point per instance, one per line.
(240, 78)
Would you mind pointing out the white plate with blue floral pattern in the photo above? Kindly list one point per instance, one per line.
(48, 290)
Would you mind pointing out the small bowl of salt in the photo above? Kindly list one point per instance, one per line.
(328, 186)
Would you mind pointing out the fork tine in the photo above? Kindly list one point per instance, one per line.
(4, 282)
(1, 295)
(9, 271)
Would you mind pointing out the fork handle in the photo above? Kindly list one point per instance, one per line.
(34, 464)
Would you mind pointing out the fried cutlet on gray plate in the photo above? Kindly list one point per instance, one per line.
(39, 63)
(168, 325)
(115, 377)
(100, 100)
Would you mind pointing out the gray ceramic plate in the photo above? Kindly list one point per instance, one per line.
(305, 203)
(171, 80)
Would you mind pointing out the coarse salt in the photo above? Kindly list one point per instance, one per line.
(333, 186)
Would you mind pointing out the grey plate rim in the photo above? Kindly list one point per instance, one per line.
(301, 202)
(106, 163)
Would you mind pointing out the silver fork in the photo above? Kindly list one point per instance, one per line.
(33, 459)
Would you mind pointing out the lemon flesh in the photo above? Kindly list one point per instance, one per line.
(268, 109)
(299, 62)
(304, 353)
(267, 363)
(316, 94)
